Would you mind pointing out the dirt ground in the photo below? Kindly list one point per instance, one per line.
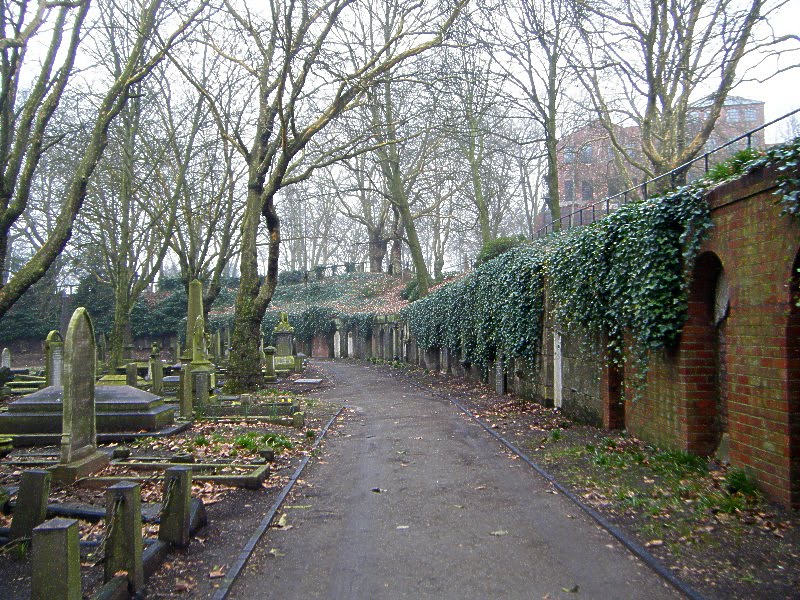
(233, 513)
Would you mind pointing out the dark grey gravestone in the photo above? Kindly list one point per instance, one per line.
(31, 507)
(124, 545)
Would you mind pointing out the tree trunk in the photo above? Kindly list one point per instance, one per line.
(245, 359)
(377, 252)
(119, 331)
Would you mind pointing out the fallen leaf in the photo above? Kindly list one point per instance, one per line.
(274, 552)
(499, 532)
(402, 527)
(573, 590)
(216, 573)
(183, 586)
(654, 543)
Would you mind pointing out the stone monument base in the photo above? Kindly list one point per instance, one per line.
(71, 472)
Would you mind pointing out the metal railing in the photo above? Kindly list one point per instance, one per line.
(597, 210)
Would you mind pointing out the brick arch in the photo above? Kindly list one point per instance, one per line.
(700, 350)
(793, 382)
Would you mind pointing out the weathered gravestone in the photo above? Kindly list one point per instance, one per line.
(124, 543)
(54, 358)
(156, 370)
(79, 455)
(284, 345)
(201, 366)
(269, 365)
(131, 374)
(56, 561)
(5, 358)
(194, 309)
(31, 507)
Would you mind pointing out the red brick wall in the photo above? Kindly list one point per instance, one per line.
(757, 247)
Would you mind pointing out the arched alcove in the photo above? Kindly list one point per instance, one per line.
(703, 349)
(793, 382)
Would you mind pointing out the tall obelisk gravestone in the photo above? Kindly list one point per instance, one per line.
(79, 454)
(194, 310)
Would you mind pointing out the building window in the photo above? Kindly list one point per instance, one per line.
(586, 192)
(569, 155)
(750, 114)
(587, 154)
(614, 186)
(734, 115)
(569, 192)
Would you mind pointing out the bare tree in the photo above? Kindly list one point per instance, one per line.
(304, 82)
(648, 61)
(27, 108)
(532, 44)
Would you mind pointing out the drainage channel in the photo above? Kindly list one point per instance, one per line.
(632, 545)
(241, 560)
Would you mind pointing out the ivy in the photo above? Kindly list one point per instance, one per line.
(360, 322)
(625, 273)
(786, 159)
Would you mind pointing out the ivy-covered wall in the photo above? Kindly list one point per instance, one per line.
(678, 316)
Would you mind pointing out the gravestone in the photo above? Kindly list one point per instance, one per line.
(156, 371)
(216, 343)
(499, 376)
(56, 560)
(337, 344)
(124, 534)
(284, 345)
(131, 374)
(558, 380)
(199, 373)
(54, 358)
(101, 348)
(269, 365)
(79, 455)
(194, 310)
(175, 525)
(31, 507)
(5, 359)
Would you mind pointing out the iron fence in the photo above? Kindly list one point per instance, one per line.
(597, 210)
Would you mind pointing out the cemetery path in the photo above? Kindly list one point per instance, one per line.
(411, 499)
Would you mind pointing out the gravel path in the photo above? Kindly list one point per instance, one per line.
(411, 499)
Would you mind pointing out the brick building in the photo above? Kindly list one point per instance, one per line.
(587, 170)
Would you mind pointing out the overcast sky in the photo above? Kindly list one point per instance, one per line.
(782, 93)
